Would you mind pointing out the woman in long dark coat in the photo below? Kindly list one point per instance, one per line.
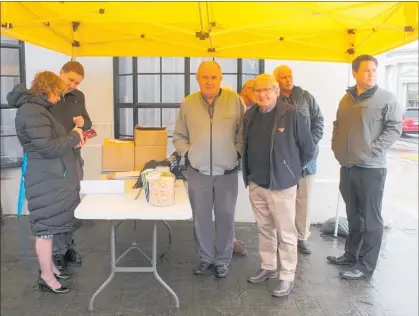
(51, 181)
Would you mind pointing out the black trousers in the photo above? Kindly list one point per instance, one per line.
(362, 190)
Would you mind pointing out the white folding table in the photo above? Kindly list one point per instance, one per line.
(120, 207)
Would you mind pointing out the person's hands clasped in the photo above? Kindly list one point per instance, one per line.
(82, 140)
(79, 121)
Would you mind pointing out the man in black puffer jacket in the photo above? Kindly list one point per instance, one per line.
(307, 105)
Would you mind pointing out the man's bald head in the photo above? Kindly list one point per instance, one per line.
(209, 76)
(283, 75)
(208, 65)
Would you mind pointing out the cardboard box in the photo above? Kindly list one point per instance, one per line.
(144, 154)
(150, 136)
(117, 155)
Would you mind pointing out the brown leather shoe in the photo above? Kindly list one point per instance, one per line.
(342, 260)
(262, 275)
(283, 289)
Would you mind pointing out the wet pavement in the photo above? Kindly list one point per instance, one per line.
(393, 289)
(410, 138)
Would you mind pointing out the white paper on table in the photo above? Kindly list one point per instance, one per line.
(102, 187)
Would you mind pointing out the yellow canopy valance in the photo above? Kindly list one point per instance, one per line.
(316, 31)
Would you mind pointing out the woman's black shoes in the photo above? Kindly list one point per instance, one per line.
(44, 287)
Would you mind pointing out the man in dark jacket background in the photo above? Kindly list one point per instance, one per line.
(307, 105)
(278, 144)
(70, 112)
(368, 122)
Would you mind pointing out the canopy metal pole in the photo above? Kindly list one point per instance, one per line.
(337, 216)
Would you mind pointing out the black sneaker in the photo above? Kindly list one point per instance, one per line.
(59, 262)
(72, 257)
(203, 268)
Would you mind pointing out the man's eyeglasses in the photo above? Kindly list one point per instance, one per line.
(265, 90)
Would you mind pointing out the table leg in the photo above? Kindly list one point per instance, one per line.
(113, 266)
(154, 263)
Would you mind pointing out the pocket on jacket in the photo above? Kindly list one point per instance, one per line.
(371, 112)
(363, 150)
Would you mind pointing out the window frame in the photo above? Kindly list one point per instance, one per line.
(20, 46)
(136, 105)
(414, 99)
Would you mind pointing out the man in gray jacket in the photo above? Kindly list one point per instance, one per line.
(368, 122)
(208, 133)
(307, 105)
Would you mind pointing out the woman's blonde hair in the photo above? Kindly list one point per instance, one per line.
(47, 82)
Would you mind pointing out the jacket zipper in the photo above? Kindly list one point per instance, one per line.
(211, 116)
(211, 120)
(276, 120)
(65, 169)
(349, 133)
(289, 169)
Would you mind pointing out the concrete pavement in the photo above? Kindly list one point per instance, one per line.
(392, 291)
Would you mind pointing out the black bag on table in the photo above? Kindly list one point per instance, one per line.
(173, 162)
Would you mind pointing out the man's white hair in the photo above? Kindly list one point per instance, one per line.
(266, 77)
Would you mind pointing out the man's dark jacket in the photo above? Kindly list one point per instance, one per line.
(307, 105)
(72, 104)
(292, 145)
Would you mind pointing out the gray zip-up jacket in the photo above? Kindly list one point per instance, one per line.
(365, 127)
(212, 145)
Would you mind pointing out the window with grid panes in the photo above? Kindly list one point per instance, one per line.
(12, 73)
(412, 96)
(149, 90)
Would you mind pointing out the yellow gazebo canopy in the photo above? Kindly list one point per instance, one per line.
(317, 31)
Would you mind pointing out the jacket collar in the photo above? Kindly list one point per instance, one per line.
(71, 93)
(364, 95)
(216, 97)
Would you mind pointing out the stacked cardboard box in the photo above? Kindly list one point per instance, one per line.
(118, 155)
(132, 154)
(150, 144)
